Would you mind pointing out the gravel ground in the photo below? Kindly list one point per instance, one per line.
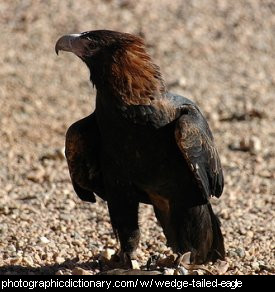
(219, 53)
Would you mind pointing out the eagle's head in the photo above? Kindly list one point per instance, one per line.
(88, 44)
(116, 60)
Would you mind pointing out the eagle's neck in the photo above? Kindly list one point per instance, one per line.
(130, 75)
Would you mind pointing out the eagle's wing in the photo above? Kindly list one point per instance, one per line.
(195, 141)
(82, 152)
(193, 137)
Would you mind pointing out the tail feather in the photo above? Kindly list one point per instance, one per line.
(217, 250)
(195, 229)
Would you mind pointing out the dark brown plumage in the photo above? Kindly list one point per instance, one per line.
(144, 144)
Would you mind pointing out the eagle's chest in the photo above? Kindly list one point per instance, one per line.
(138, 152)
(121, 140)
(127, 149)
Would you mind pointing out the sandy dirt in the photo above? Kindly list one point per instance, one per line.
(218, 53)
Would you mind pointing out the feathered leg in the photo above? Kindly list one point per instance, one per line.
(124, 219)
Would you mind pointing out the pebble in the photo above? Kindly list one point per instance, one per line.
(232, 253)
(250, 233)
(222, 267)
(16, 260)
(255, 144)
(12, 248)
(59, 260)
(37, 175)
(54, 154)
(135, 265)
(240, 252)
(182, 82)
(255, 266)
(252, 144)
(77, 242)
(107, 253)
(70, 204)
(168, 271)
(37, 258)
(181, 271)
(44, 240)
(28, 260)
(242, 231)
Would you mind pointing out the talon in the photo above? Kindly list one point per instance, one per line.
(178, 260)
(119, 260)
(183, 259)
(126, 260)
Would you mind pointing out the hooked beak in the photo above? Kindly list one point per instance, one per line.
(70, 43)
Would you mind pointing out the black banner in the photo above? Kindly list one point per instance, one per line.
(112, 282)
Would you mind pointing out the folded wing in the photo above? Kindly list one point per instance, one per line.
(82, 152)
(195, 141)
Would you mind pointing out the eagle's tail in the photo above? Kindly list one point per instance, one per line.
(217, 250)
(195, 229)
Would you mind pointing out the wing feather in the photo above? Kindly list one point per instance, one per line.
(82, 153)
(195, 141)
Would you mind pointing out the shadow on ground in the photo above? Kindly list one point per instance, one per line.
(69, 264)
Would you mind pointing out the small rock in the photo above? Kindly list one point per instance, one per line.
(255, 266)
(266, 173)
(240, 252)
(16, 260)
(63, 229)
(242, 231)
(36, 175)
(20, 244)
(80, 272)
(251, 144)
(225, 214)
(37, 258)
(12, 248)
(135, 265)
(250, 233)
(222, 267)
(255, 144)
(54, 154)
(107, 253)
(59, 260)
(5, 210)
(232, 253)
(181, 271)
(47, 256)
(268, 268)
(70, 204)
(59, 272)
(44, 240)
(182, 82)
(28, 260)
(168, 272)
(8, 187)
(111, 241)
(19, 252)
(77, 242)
